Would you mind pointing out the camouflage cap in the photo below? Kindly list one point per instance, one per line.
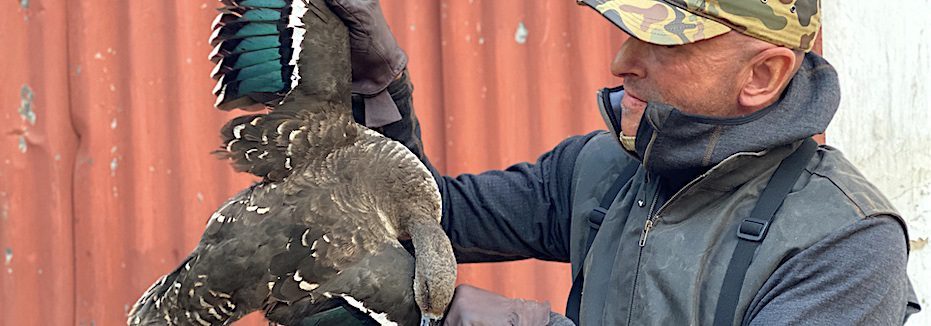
(790, 23)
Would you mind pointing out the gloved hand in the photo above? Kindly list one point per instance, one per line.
(472, 306)
(377, 59)
(407, 129)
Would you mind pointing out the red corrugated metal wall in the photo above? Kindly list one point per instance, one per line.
(106, 179)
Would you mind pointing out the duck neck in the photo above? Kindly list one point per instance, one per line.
(435, 270)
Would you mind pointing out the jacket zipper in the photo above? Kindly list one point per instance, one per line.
(646, 230)
(651, 222)
(643, 237)
(652, 219)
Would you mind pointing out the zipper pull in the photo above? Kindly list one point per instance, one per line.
(646, 230)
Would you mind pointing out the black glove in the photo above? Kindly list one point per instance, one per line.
(407, 130)
(377, 59)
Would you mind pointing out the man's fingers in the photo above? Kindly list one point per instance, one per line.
(474, 306)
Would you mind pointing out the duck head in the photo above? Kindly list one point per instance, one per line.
(435, 271)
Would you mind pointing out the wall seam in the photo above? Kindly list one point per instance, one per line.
(74, 163)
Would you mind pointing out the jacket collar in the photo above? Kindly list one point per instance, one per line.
(680, 146)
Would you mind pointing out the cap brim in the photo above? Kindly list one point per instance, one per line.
(657, 22)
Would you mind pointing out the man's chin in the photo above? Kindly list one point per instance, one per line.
(631, 111)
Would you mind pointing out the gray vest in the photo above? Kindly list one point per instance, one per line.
(675, 277)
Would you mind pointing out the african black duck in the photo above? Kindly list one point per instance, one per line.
(321, 228)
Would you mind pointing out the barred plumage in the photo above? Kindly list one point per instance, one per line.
(321, 229)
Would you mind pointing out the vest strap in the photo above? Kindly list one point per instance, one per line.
(595, 218)
(752, 230)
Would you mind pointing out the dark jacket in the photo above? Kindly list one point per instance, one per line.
(835, 255)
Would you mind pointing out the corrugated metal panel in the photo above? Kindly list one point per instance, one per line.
(105, 175)
(112, 184)
(145, 183)
(36, 155)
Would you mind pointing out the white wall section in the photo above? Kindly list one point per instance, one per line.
(882, 51)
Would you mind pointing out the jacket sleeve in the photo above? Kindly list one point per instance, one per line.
(520, 212)
(853, 277)
(517, 213)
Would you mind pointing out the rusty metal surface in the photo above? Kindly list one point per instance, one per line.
(36, 153)
(106, 179)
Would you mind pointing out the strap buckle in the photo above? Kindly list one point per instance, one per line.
(596, 217)
(752, 229)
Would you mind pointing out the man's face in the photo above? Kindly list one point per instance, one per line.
(699, 78)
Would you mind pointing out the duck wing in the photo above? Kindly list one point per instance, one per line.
(289, 56)
(292, 255)
(224, 278)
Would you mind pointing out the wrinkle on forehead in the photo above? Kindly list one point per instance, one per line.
(731, 49)
(745, 45)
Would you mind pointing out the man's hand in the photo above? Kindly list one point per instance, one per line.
(377, 59)
(472, 306)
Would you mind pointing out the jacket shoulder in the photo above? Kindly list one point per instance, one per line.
(830, 195)
(838, 177)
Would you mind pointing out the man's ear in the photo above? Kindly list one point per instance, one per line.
(768, 74)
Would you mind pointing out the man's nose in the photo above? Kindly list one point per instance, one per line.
(628, 63)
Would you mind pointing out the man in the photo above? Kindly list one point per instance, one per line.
(717, 95)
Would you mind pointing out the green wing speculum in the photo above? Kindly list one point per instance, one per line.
(257, 44)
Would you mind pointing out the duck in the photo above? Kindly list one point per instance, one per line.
(324, 225)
